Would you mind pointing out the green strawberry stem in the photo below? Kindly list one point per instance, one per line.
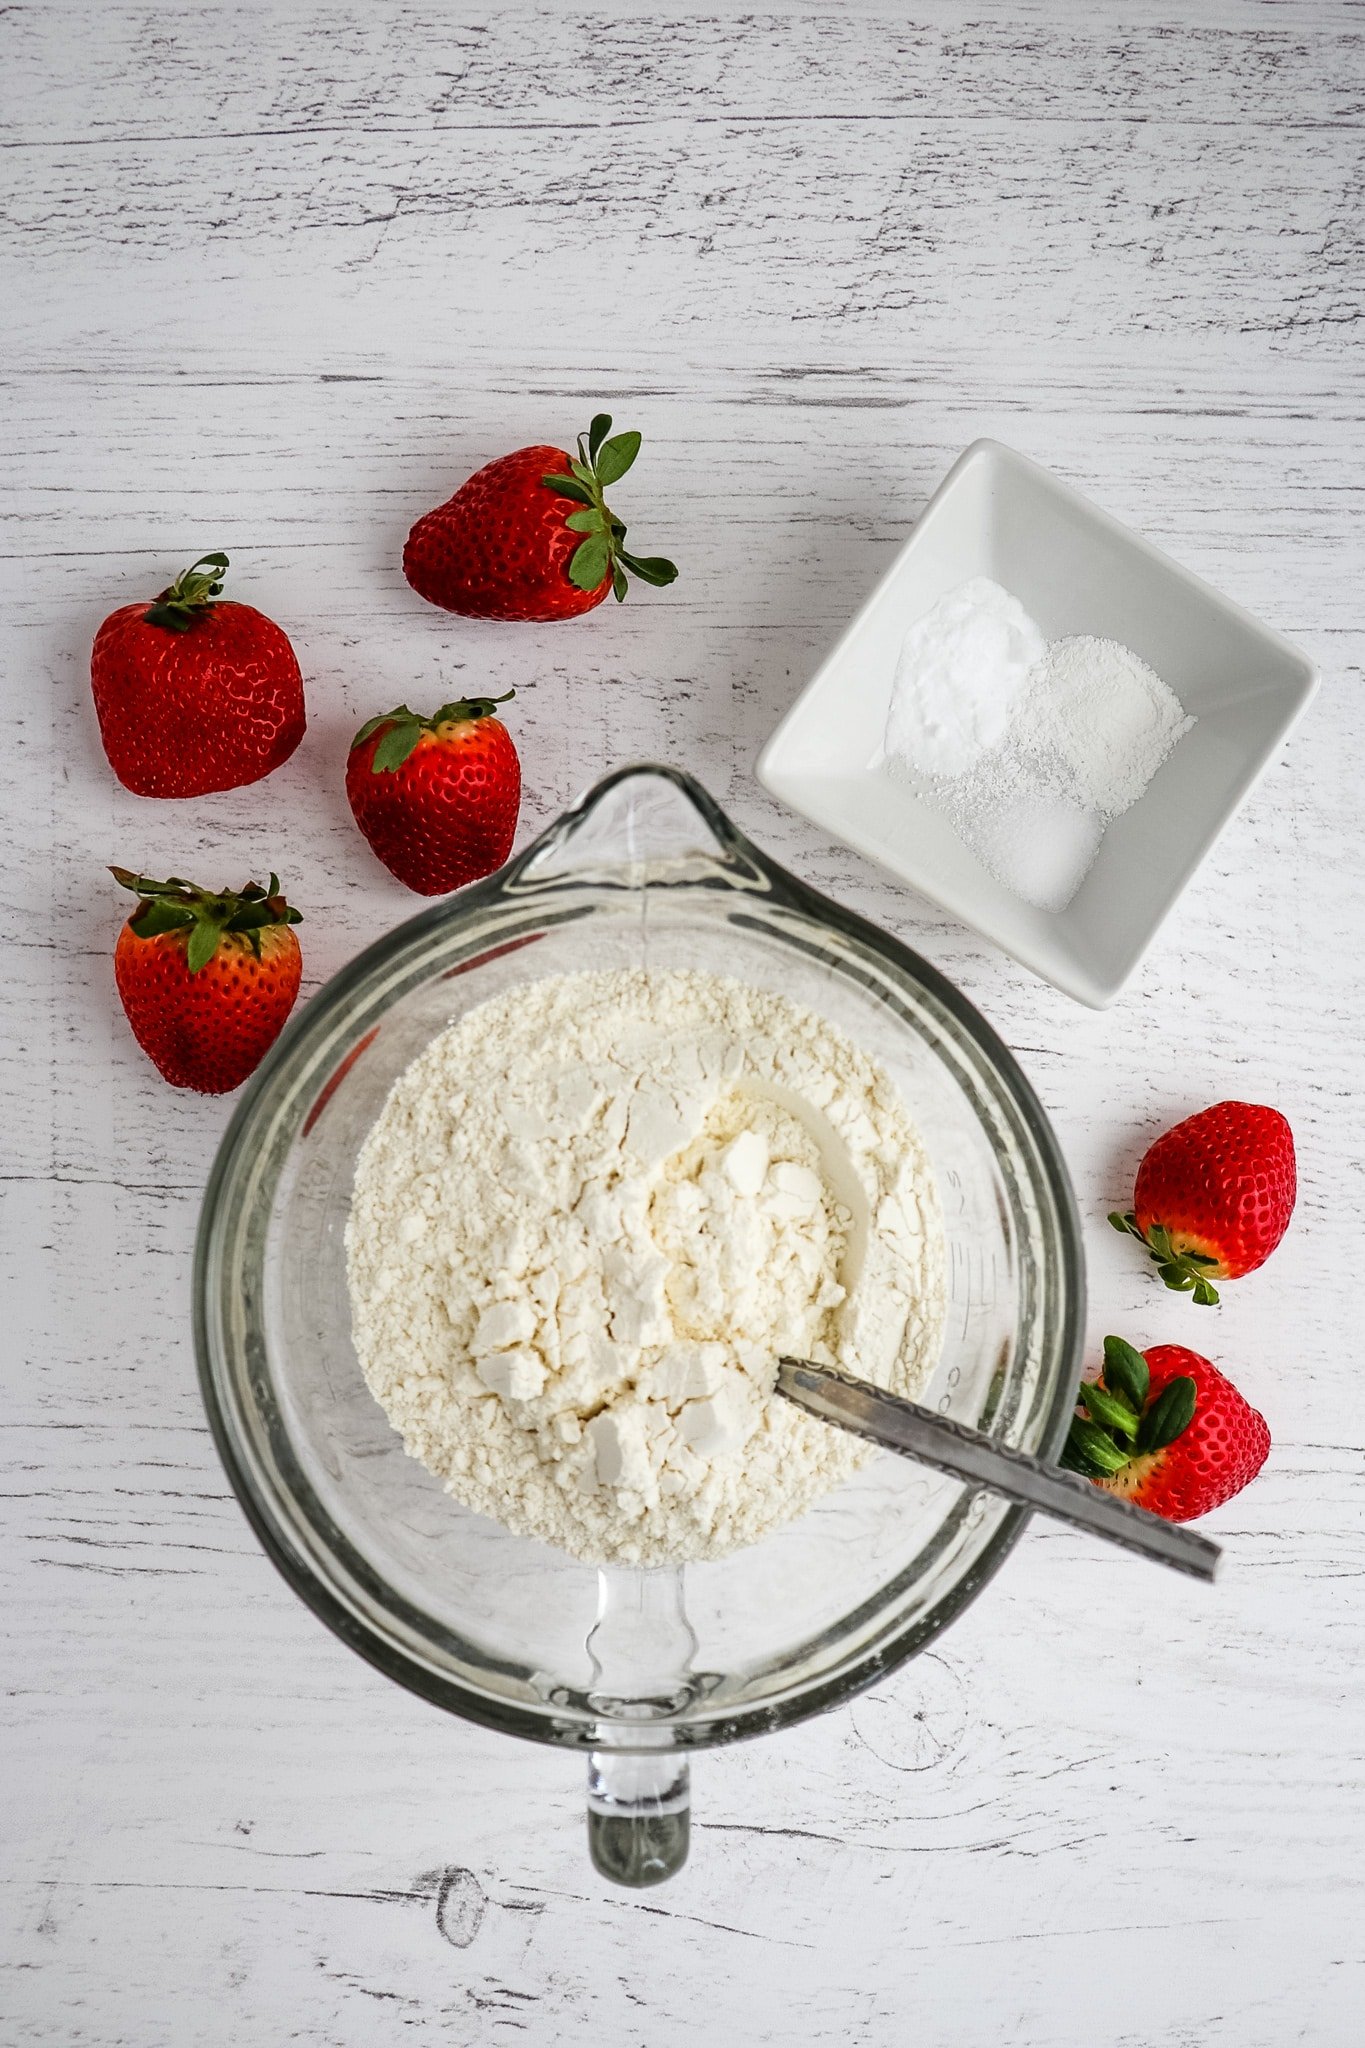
(206, 914)
(190, 596)
(1182, 1271)
(406, 727)
(1120, 1423)
(603, 459)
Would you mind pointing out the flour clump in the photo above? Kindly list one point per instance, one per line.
(588, 1219)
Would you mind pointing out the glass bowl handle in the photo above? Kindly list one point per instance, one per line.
(642, 1648)
(639, 1815)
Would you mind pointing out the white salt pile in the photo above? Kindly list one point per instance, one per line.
(1029, 750)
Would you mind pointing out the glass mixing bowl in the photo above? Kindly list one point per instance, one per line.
(635, 1667)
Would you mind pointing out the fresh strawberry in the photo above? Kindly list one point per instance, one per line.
(1214, 1196)
(437, 797)
(530, 536)
(194, 696)
(206, 978)
(1166, 1431)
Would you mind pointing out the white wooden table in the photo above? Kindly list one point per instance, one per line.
(276, 279)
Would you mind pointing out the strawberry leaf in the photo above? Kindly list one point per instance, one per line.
(396, 745)
(649, 568)
(462, 709)
(589, 564)
(203, 943)
(1111, 1411)
(157, 917)
(614, 457)
(1125, 1372)
(1073, 1460)
(253, 917)
(372, 725)
(569, 487)
(597, 433)
(620, 582)
(593, 520)
(1089, 1441)
(585, 475)
(1169, 1416)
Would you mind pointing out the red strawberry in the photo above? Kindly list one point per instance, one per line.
(1166, 1431)
(1214, 1196)
(194, 696)
(437, 797)
(207, 979)
(530, 536)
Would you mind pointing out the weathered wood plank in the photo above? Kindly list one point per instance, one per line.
(277, 290)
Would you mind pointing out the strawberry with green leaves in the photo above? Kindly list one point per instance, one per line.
(531, 536)
(1165, 1430)
(437, 798)
(206, 977)
(1214, 1196)
(193, 692)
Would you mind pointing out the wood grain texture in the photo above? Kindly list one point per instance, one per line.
(274, 279)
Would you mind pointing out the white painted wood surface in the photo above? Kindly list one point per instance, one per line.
(275, 279)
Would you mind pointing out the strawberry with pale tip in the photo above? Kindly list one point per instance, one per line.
(1214, 1196)
(206, 977)
(1166, 1430)
(437, 798)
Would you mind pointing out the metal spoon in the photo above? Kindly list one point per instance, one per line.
(1017, 1476)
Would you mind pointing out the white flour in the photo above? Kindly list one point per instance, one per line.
(588, 1219)
(1047, 745)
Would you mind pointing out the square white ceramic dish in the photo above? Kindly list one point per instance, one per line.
(1075, 570)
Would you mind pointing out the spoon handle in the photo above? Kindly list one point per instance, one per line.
(966, 1454)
